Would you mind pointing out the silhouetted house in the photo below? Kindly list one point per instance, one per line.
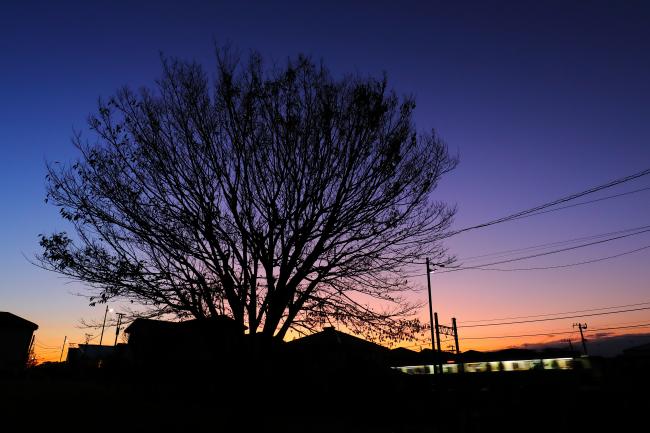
(403, 356)
(96, 356)
(193, 343)
(333, 350)
(15, 338)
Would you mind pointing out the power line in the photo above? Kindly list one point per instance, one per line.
(555, 318)
(545, 334)
(556, 202)
(557, 314)
(551, 334)
(540, 209)
(641, 325)
(568, 265)
(541, 246)
(42, 346)
(585, 202)
(625, 323)
(546, 253)
(552, 244)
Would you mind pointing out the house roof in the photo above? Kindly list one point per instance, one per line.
(223, 322)
(331, 337)
(404, 356)
(11, 321)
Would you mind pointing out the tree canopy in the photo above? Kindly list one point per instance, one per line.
(282, 197)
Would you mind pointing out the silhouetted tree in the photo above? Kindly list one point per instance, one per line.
(281, 197)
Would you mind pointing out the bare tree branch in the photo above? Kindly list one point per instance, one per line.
(281, 197)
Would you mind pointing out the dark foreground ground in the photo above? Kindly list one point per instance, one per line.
(614, 397)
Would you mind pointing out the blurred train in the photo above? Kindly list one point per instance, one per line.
(507, 365)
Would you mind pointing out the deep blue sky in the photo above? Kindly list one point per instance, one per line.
(541, 99)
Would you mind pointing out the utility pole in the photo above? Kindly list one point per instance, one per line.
(103, 324)
(65, 338)
(453, 325)
(582, 326)
(435, 318)
(461, 366)
(433, 340)
(29, 350)
(117, 329)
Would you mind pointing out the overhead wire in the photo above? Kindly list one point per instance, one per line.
(550, 334)
(643, 325)
(542, 334)
(566, 265)
(552, 244)
(546, 253)
(626, 233)
(555, 318)
(556, 202)
(588, 310)
(542, 208)
(584, 203)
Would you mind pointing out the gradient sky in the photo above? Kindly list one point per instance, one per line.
(540, 99)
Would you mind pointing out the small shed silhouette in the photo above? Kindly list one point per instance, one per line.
(15, 338)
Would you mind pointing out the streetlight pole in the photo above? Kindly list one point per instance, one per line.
(104, 324)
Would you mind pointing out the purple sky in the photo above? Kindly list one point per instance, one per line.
(540, 99)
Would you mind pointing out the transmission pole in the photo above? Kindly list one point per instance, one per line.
(435, 319)
(433, 340)
(582, 326)
(117, 329)
(31, 348)
(101, 337)
(455, 328)
(65, 338)
(461, 366)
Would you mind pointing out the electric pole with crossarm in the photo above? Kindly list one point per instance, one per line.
(582, 326)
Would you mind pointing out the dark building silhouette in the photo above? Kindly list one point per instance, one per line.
(193, 343)
(96, 356)
(403, 356)
(15, 338)
(331, 350)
